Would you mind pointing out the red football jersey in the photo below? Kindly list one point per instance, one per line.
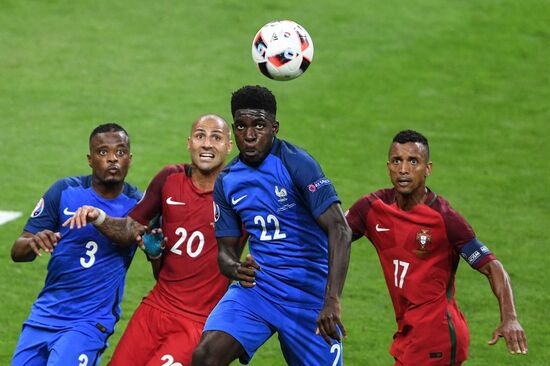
(419, 251)
(190, 283)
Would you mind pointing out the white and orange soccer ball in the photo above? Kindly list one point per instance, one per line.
(282, 50)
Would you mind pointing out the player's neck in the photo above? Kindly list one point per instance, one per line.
(106, 190)
(204, 180)
(407, 202)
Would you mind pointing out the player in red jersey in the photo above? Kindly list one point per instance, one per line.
(168, 323)
(419, 239)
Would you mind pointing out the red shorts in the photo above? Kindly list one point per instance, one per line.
(155, 338)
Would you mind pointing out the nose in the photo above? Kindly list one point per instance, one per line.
(112, 156)
(403, 168)
(250, 134)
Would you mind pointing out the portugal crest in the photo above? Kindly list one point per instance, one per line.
(423, 239)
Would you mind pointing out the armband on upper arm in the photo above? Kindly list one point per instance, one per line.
(474, 251)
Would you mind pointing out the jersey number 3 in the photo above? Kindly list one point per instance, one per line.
(90, 260)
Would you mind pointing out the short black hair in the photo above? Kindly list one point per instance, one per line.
(405, 136)
(253, 97)
(109, 127)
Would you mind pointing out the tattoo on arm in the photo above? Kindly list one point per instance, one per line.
(121, 230)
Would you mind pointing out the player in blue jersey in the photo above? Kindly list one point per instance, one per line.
(78, 307)
(299, 242)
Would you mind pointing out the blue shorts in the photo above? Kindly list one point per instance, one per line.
(251, 319)
(81, 344)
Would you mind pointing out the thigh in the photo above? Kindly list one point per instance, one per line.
(32, 346)
(140, 339)
(241, 314)
(301, 345)
(80, 345)
(181, 336)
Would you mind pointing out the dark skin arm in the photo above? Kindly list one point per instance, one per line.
(333, 222)
(509, 326)
(229, 254)
(122, 230)
(28, 246)
(156, 265)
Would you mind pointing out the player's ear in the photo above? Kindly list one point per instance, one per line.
(428, 169)
(275, 127)
(89, 157)
(188, 143)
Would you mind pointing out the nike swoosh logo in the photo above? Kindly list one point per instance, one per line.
(234, 200)
(379, 228)
(67, 212)
(170, 201)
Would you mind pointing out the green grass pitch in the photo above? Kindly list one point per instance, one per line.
(474, 76)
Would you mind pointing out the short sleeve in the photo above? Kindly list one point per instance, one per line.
(150, 205)
(356, 217)
(308, 177)
(45, 215)
(462, 237)
(227, 222)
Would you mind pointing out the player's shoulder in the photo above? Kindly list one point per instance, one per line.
(175, 169)
(228, 168)
(84, 181)
(290, 153)
(440, 204)
(450, 215)
(132, 191)
(385, 195)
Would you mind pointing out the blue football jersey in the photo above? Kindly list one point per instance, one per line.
(86, 271)
(278, 203)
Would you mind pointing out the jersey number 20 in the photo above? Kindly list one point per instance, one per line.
(183, 235)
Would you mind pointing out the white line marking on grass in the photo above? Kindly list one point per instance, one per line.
(7, 216)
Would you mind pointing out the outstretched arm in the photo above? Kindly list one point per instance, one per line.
(122, 230)
(509, 326)
(229, 255)
(28, 246)
(334, 224)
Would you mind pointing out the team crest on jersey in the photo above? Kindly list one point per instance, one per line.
(39, 208)
(281, 193)
(216, 211)
(423, 239)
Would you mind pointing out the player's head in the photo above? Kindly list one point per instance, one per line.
(409, 162)
(109, 155)
(254, 111)
(209, 143)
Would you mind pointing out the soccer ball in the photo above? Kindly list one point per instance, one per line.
(282, 50)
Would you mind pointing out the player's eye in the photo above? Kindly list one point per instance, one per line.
(217, 137)
(396, 161)
(121, 152)
(102, 152)
(239, 127)
(260, 126)
(414, 161)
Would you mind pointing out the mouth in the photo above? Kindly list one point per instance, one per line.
(403, 182)
(113, 169)
(207, 156)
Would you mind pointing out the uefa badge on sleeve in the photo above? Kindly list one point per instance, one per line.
(423, 239)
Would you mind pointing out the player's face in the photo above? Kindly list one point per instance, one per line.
(408, 167)
(254, 131)
(209, 144)
(109, 157)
